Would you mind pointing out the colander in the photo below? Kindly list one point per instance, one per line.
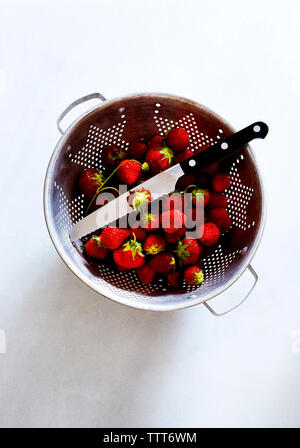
(123, 120)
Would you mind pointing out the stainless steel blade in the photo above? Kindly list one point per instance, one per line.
(158, 185)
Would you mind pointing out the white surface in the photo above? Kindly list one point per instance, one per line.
(75, 359)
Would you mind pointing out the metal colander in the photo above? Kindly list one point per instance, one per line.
(119, 122)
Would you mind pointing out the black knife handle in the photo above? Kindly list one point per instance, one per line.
(225, 148)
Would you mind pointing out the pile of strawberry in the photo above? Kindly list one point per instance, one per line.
(154, 248)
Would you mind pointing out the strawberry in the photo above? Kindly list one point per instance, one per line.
(89, 181)
(163, 263)
(220, 182)
(174, 200)
(172, 220)
(188, 251)
(94, 248)
(217, 200)
(139, 199)
(174, 279)
(156, 142)
(150, 221)
(210, 234)
(113, 156)
(120, 269)
(193, 275)
(185, 181)
(146, 274)
(200, 197)
(194, 216)
(137, 150)
(139, 233)
(172, 238)
(202, 179)
(191, 215)
(130, 255)
(130, 171)
(183, 155)
(159, 159)
(154, 244)
(178, 139)
(221, 218)
(210, 169)
(113, 237)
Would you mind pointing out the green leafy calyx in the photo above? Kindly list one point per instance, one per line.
(135, 247)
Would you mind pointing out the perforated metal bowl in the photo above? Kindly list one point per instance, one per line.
(120, 121)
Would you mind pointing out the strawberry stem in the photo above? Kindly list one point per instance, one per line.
(145, 166)
(190, 186)
(110, 188)
(101, 187)
(114, 171)
(92, 200)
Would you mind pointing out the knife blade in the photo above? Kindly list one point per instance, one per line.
(165, 182)
(158, 185)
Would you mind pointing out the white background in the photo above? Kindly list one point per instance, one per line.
(74, 358)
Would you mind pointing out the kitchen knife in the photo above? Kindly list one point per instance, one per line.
(165, 182)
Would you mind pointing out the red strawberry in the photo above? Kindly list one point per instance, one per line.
(193, 275)
(150, 221)
(113, 156)
(174, 279)
(139, 199)
(188, 251)
(194, 216)
(178, 139)
(139, 233)
(191, 215)
(200, 197)
(113, 237)
(172, 238)
(154, 244)
(137, 150)
(163, 263)
(221, 218)
(217, 200)
(220, 182)
(130, 171)
(159, 159)
(156, 142)
(185, 181)
(146, 274)
(89, 181)
(183, 155)
(120, 269)
(210, 169)
(210, 234)
(172, 220)
(202, 179)
(130, 255)
(174, 200)
(94, 248)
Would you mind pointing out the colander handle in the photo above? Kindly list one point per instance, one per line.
(253, 272)
(76, 103)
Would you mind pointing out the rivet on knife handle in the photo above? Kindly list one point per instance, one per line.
(226, 147)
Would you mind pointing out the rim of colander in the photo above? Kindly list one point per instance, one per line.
(111, 295)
